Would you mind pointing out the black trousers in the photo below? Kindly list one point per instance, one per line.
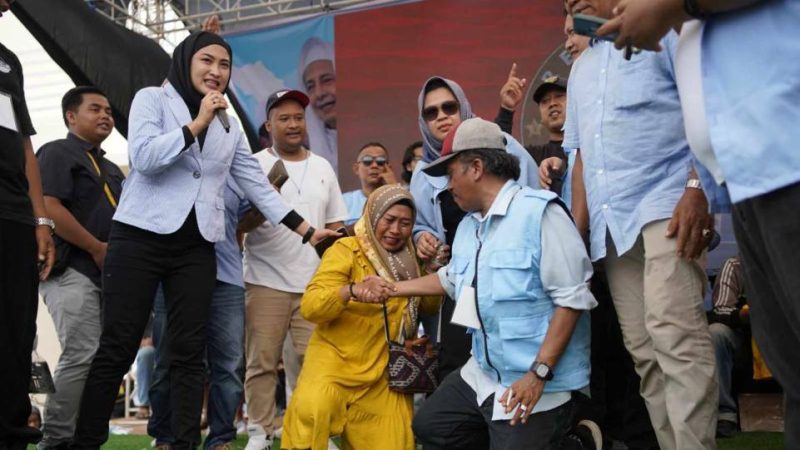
(616, 404)
(19, 281)
(451, 419)
(768, 233)
(136, 262)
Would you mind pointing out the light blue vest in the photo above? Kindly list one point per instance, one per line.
(513, 307)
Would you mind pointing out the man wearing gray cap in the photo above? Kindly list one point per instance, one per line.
(520, 275)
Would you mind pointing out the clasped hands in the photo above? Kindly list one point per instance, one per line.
(373, 289)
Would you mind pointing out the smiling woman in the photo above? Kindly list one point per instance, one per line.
(169, 217)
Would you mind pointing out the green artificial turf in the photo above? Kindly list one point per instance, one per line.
(742, 441)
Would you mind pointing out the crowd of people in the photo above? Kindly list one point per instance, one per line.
(541, 297)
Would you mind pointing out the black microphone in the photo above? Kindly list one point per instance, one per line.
(223, 119)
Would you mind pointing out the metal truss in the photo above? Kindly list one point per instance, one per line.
(159, 19)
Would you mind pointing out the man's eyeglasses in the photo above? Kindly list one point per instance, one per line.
(432, 112)
(368, 160)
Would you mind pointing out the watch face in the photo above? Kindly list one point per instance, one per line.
(542, 371)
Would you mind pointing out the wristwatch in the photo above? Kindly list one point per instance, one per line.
(39, 221)
(694, 183)
(542, 371)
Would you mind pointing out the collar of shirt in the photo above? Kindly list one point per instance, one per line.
(86, 146)
(501, 201)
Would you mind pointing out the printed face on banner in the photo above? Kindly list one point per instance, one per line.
(369, 92)
(298, 56)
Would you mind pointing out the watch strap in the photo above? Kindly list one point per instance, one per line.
(694, 183)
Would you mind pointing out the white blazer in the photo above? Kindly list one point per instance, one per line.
(164, 182)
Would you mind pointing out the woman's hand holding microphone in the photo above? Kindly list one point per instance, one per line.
(212, 101)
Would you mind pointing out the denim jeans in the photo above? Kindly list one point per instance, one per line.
(224, 356)
(144, 375)
(726, 344)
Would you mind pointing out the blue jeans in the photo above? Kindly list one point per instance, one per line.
(144, 375)
(224, 356)
(726, 344)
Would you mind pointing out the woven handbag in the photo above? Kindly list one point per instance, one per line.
(413, 365)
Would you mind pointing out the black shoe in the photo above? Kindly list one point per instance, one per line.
(588, 434)
(727, 429)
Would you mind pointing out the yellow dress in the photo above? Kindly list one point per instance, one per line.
(342, 389)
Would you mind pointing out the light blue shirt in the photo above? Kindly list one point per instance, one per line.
(229, 256)
(426, 189)
(625, 116)
(355, 201)
(751, 82)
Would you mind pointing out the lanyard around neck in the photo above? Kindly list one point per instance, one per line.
(106, 187)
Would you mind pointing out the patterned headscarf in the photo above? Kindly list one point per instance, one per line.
(432, 147)
(392, 266)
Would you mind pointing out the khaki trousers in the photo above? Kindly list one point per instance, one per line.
(659, 300)
(269, 315)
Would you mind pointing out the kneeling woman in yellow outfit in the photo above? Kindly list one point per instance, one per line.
(343, 386)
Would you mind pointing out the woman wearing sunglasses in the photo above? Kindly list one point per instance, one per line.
(373, 171)
(442, 107)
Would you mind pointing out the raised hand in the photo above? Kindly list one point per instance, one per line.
(513, 90)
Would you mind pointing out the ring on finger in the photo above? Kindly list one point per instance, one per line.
(523, 407)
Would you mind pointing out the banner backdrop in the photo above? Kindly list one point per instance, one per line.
(364, 69)
(385, 55)
(278, 58)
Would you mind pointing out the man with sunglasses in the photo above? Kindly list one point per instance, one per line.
(373, 170)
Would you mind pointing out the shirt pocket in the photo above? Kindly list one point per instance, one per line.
(634, 82)
(512, 275)
(521, 339)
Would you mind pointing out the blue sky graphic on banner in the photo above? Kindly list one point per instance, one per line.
(269, 59)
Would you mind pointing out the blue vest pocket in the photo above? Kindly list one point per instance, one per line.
(521, 339)
(512, 275)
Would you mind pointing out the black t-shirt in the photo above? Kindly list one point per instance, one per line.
(69, 175)
(451, 216)
(541, 152)
(15, 204)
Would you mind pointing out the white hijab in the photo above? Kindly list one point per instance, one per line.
(322, 140)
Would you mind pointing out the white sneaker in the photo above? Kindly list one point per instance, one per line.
(259, 440)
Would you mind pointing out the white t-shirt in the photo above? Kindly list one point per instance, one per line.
(275, 256)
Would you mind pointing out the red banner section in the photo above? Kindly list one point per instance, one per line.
(383, 56)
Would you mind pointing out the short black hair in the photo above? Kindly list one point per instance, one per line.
(408, 156)
(74, 97)
(373, 144)
(499, 163)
